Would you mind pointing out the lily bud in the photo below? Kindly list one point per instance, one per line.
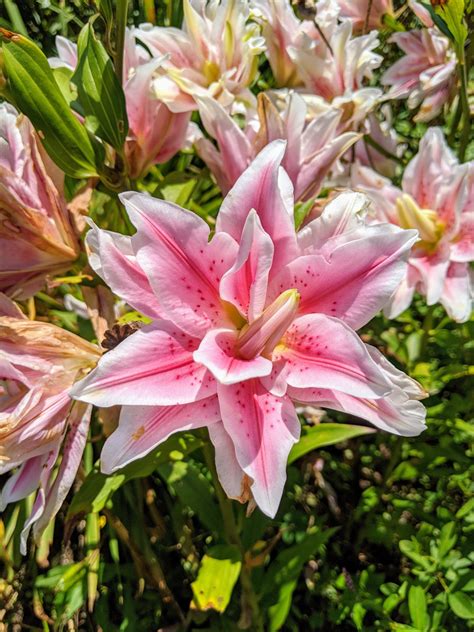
(36, 234)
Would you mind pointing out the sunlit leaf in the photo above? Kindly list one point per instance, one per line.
(326, 434)
(99, 90)
(218, 573)
(37, 95)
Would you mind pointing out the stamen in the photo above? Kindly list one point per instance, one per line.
(262, 335)
(410, 215)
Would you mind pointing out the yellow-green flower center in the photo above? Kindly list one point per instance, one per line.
(424, 220)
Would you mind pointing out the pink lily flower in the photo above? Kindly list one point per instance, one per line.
(37, 238)
(382, 132)
(436, 198)
(328, 62)
(356, 11)
(314, 144)
(281, 28)
(421, 13)
(215, 54)
(156, 133)
(426, 74)
(337, 74)
(39, 362)
(253, 320)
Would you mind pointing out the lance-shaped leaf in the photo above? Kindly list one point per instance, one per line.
(100, 93)
(36, 93)
(449, 18)
(326, 434)
(281, 577)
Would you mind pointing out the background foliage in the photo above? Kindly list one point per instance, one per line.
(374, 532)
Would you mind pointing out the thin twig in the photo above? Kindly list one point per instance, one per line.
(151, 571)
(367, 17)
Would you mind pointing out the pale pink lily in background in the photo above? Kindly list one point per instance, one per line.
(39, 362)
(281, 29)
(215, 54)
(313, 146)
(364, 14)
(426, 74)
(380, 129)
(37, 238)
(246, 324)
(336, 69)
(326, 61)
(155, 133)
(421, 13)
(436, 198)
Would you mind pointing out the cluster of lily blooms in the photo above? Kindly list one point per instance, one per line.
(259, 317)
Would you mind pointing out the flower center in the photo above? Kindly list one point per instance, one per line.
(211, 71)
(262, 335)
(426, 221)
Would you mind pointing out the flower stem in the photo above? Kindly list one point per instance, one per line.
(466, 126)
(367, 17)
(121, 20)
(225, 504)
(381, 150)
(233, 537)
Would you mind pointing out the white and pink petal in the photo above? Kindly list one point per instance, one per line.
(143, 428)
(263, 428)
(153, 366)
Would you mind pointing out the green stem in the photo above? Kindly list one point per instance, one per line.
(233, 537)
(149, 10)
(466, 128)
(381, 150)
(121, 20)
(455, 121)
(225, 504)
(367, 17)
(427, 327)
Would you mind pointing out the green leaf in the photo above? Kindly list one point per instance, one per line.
(466, 509)
(449, 18)
(452, 14)
(447, 539)
(405, 471)
(36, 94)
(105, 9)
(282, 575)
(63, 78)
(176, 187)
(412, 550)
(194, 491)
(302, 209)
(392, 23)
(326, 434)
(14, 16)
(100, 92)
(98, 487)
(462, 605)
(218, 573)
(417, 607)
(358, 614)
